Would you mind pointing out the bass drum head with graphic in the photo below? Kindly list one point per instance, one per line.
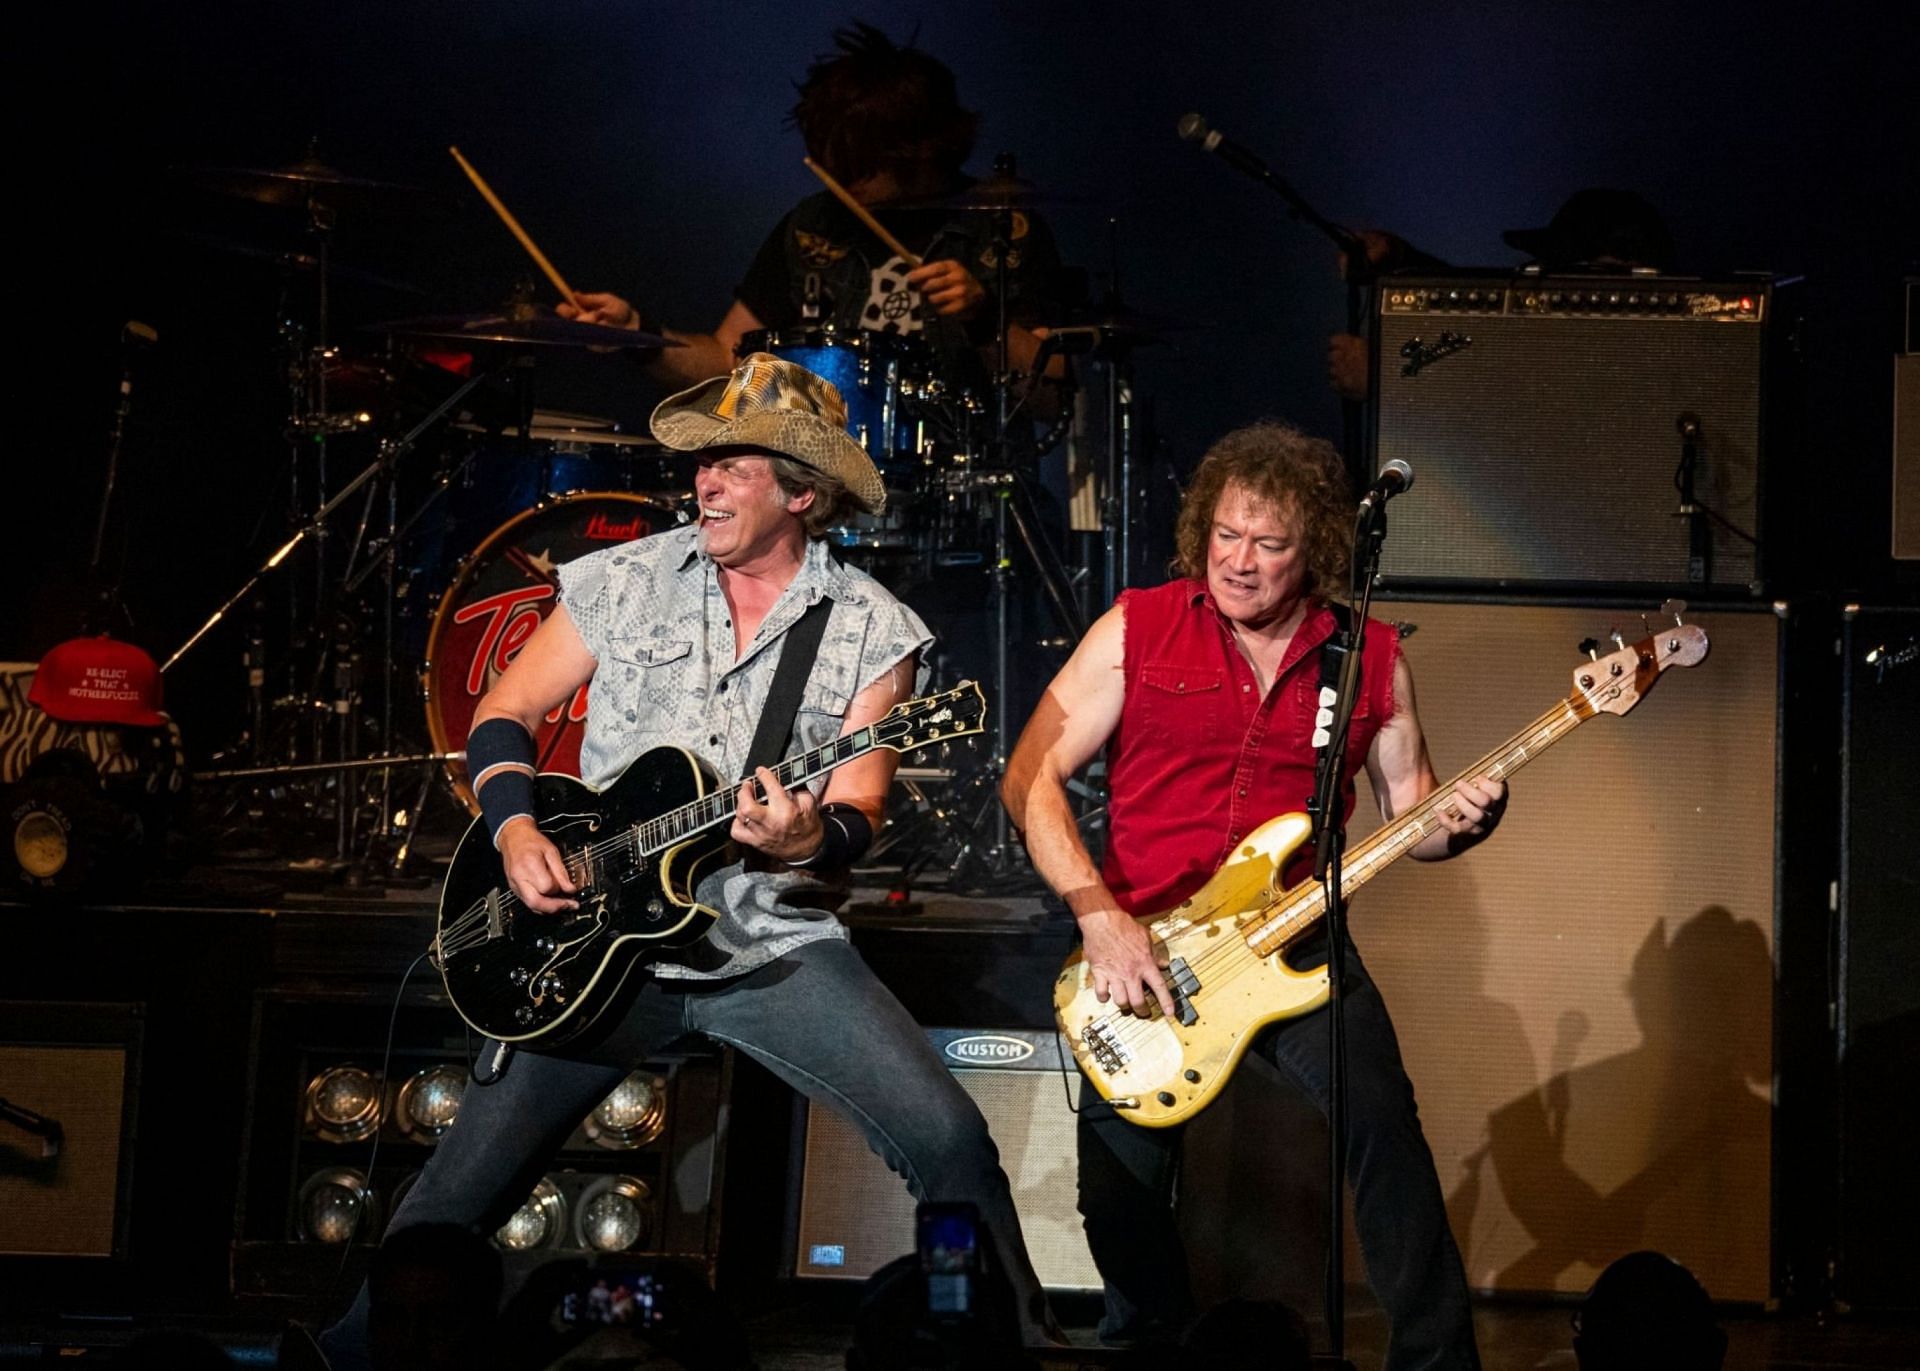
(499, 595)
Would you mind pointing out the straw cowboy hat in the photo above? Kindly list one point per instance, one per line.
(773, 404)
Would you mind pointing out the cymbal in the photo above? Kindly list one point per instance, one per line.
(309, 181)
(302, 262)
(1122, 326)
(539, 327)
(996, 192)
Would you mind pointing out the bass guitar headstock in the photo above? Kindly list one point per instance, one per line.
(1613, 684)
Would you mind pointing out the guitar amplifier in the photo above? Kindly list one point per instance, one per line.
(850, 1215)
(1552, 423)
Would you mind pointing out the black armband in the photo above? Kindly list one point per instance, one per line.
(501, 762)
(846, 833)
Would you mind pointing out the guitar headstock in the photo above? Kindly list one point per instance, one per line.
(1614, 684)
(934, 719)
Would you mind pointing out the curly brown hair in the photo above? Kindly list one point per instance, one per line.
(1299, 476)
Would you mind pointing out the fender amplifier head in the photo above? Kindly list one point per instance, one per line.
(1557, 426)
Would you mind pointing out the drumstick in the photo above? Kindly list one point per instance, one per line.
(861, 213)
(506, 217)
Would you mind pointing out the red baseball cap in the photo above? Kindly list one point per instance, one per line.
(98, 681)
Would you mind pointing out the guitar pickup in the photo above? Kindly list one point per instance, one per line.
(1184, 985)
(1109, 1053)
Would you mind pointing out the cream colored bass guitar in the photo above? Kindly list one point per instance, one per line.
(1223, 946)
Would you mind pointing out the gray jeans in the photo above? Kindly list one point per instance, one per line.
(817, 1017)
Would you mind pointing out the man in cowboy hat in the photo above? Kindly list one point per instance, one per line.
(678, 637)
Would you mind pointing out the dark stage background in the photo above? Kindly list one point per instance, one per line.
(642, 144)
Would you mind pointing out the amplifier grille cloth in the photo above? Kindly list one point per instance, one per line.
(852, 1201)
(1585, 1002)
(1546, 450)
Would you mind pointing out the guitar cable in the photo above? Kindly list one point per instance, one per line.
(373, 1152)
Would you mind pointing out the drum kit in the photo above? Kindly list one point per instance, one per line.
(434, 563)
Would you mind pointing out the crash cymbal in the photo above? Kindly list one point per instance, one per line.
(309, 181)
(302, 263)
(538, 326)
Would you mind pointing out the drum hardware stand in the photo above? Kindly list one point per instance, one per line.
(1001, 859)
(269, 773)
(344, 687)
(390, 452)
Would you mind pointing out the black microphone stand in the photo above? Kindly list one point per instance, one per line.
(1330, 838)
(1358, 272)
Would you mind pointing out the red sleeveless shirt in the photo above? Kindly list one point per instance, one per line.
(1199, 759)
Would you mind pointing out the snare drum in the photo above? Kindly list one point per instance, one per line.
(497, 598)
(875, 373)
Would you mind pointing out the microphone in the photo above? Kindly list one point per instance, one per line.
(1396, 476)
(1193, 128)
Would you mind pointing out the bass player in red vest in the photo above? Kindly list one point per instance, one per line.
(1203, 693)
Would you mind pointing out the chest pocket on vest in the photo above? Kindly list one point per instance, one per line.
(642, 678)
(1182, 697)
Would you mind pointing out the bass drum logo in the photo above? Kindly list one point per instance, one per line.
(989, 1049)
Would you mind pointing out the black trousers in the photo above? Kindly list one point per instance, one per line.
(1128, 1176)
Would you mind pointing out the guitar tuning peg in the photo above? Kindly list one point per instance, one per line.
(1618, 640)
(1674, 609)
(1591, 646)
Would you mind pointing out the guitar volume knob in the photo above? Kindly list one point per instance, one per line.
(519, 975)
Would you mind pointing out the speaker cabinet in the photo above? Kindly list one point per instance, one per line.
(1542, 417)
(1585, 1001)
(1879, 949)
(852, 1215)
(68, 1082)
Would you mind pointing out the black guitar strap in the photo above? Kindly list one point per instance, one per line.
(797, 653)
(1333, 657)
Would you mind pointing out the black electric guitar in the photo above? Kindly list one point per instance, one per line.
(637, 851)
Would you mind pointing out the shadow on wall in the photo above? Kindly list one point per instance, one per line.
(1654, 1147)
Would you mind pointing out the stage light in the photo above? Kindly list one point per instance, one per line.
(537, 1223)
(632, 1116)
(343, 1104)
(613, 1214)
(333, 1206)
(429, 1102)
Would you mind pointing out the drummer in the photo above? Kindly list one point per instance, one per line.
(886, 122)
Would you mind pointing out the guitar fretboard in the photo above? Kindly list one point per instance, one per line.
(677, 825)
(1294, 915)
